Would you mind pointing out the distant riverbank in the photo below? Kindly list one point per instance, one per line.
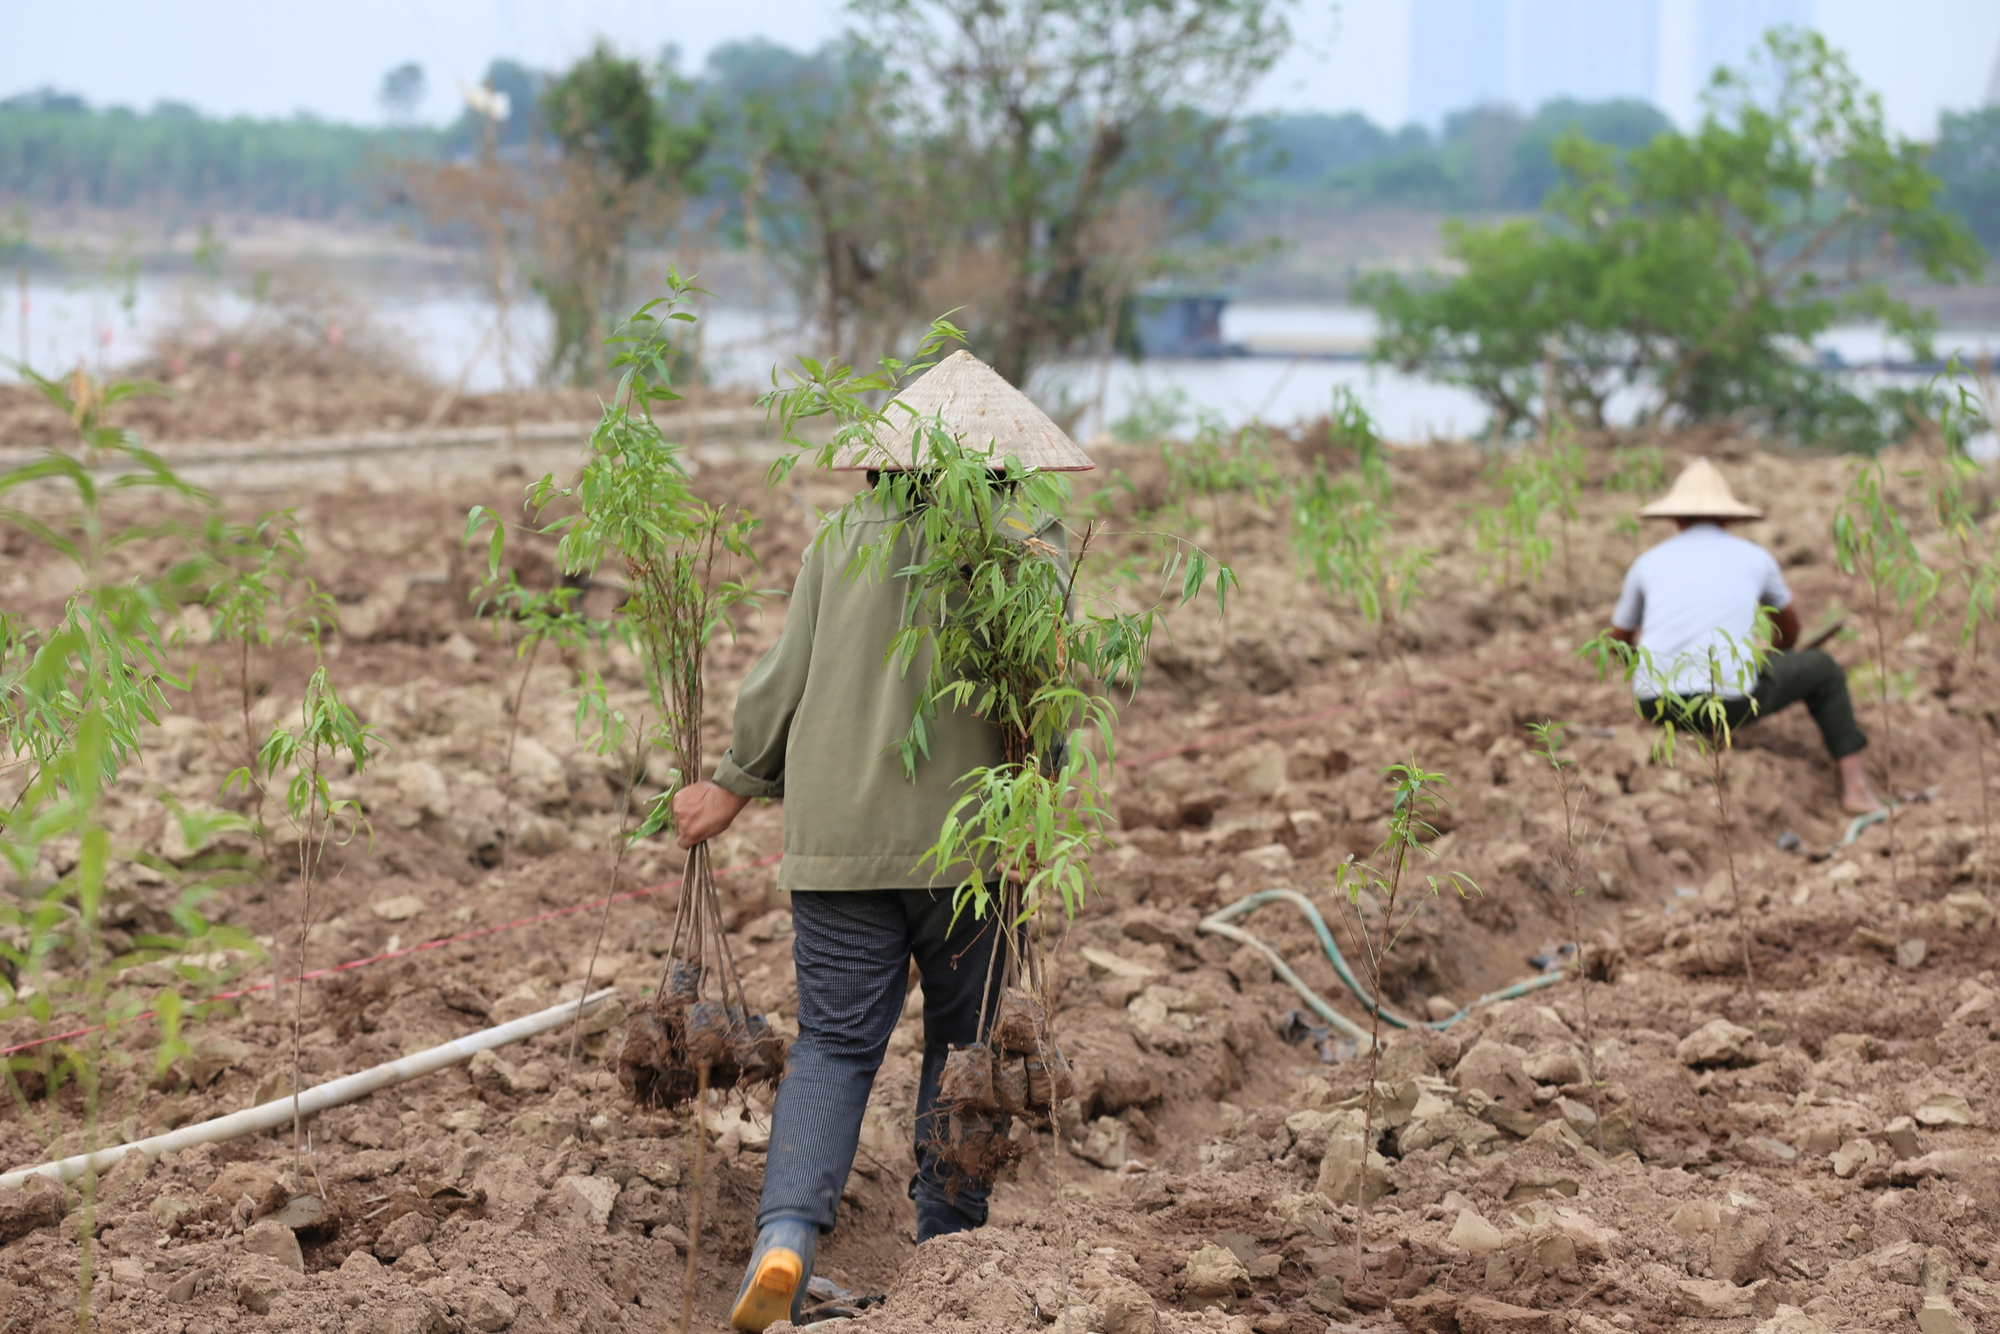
(1291, 356)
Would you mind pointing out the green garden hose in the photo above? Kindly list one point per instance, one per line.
(1218, 924)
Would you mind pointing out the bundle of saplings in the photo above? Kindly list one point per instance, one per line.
(631, 518)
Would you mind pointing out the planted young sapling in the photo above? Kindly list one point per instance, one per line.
(1568, 860)
(537, 618)
(1871, 540)
(1221, 466)
(1702, 702)
(1637, 470)
(328, 737)
(78, 692)
(1391, 885)
(1960, 414)
(1538, 482)
(1341, 527)
(260, 599)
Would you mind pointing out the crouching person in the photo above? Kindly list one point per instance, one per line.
(1691, 601)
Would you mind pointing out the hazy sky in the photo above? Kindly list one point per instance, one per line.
(271, 59)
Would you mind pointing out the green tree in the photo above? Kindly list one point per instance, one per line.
(1305, 149)
(1415, 177)
(833, 189)
(1478, 152)
(1487, 157)
(626, 144)
(524, 127)
(601, 111)
(1532, 166)
(1692, 267)
(402, 91)
(56, 152)
(1079, 136)
(1967, 160)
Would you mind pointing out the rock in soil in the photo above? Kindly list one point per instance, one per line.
(35, 1203)
(271, 1238)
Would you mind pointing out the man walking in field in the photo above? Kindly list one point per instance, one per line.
(817, 722)
(1692, 603)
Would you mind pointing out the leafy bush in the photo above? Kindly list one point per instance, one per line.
(1694, 268)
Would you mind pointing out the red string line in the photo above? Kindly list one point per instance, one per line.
(404, 953)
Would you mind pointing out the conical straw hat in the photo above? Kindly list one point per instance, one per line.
(978, 407)
(1700, 492)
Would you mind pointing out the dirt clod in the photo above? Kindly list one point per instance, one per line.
(1485, 1315)
(1717, 1042)
(269, 1237)
(489, 1311)
(35, 1203)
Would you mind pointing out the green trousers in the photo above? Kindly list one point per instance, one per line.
(1809, 675)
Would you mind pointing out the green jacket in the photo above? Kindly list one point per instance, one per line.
(819, 716)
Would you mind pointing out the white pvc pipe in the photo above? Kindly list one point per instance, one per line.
(334, 1093)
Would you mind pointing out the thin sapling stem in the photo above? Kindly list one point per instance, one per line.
(1418, 795)
(1569, 870)
(1872, 541)
(327, 728)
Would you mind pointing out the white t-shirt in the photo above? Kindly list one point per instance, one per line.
(1690, 596)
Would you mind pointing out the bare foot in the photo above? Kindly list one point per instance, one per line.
(1856, 796)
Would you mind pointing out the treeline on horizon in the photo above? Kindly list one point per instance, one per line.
(56, 151)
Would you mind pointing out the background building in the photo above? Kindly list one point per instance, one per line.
(1458, 56)
(1583, 49)
(1466, 53)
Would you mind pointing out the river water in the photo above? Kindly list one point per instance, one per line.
(451, 332)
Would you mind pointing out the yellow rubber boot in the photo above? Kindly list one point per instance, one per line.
(774, 1285)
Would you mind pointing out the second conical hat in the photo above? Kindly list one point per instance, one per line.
(980, 408)
(1700, 492)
